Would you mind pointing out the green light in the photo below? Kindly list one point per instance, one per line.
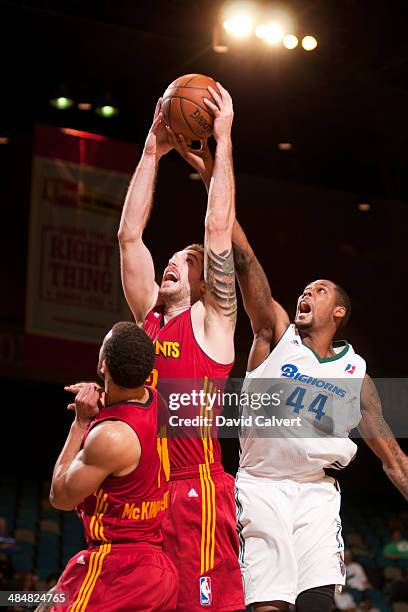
(61, 103)
(107, 111)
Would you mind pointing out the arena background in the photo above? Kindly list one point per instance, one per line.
(343, 109)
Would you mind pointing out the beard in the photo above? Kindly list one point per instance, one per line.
(304, 324)
(174, 295)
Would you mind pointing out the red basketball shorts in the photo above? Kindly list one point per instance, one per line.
(119, 578)
(201, 539)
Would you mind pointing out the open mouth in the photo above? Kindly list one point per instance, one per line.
(304, 308)
(169, 278)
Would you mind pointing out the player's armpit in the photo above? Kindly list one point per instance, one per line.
(110, 449)
(378, 436)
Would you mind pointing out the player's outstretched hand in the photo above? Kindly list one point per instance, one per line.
(223, 111)
(157, 142)
(77, 387)
(200, 159)
(88, 402)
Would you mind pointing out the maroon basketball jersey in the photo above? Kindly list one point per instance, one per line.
(129, 509)
(182, 366)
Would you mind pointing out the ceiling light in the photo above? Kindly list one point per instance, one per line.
(309, 43)
(271, 33)
(239, 25)
(290, 41)
(364, 206)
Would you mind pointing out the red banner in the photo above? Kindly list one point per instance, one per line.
(74, 293)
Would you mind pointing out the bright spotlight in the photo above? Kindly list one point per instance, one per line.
(62, 102)
(107, 111)
(271, 33)
(239, 25)
(309, 43)
(290, 41)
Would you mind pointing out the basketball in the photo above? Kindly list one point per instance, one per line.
(184, 108)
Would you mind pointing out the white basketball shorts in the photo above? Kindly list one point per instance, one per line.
(290, 537)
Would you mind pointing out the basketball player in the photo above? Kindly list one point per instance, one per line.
(191, 318)
(288, 509)
(110, 471)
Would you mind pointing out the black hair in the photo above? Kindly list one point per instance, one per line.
(129, 355)
(343, 300)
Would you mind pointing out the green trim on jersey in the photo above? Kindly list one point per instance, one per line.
(336, 343)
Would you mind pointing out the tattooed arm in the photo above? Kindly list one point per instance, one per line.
(268, 319)
(215, 329)
(380, 439)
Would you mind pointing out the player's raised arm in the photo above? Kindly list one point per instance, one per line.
(380, 438)
(220, 298)
(137, 269)
(268, 319)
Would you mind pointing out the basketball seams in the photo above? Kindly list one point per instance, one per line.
(175, 84)
(186, 86)
(207, 110)
(184, 117)
(189, 116)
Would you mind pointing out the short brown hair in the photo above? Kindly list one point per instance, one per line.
(198, 248)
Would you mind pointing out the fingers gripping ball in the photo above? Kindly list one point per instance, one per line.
(184, 108)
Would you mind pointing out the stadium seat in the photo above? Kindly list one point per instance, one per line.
(49, 526)
(25, 535)
(392, 573)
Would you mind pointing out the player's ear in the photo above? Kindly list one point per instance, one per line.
(202, 287)
(339, 313)
(104, 368)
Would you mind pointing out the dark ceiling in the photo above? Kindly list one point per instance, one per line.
(342, 106)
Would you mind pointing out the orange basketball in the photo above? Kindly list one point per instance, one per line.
(184, 108)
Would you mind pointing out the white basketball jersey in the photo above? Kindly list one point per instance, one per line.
(317, 404)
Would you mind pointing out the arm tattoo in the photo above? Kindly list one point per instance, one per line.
(251, 268)
(376, 431)
(242, 259)
(220, 279)
(371, 404)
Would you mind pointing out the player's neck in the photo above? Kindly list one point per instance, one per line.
(320, 341)
(115, 394)
(172, 310)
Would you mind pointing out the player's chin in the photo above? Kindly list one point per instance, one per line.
(169, 291)
(304, 322)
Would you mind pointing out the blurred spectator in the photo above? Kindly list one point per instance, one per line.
(26, 581)
(398, 591)
(344, 601)
(367, 606)
(397, 548)
(355, 574)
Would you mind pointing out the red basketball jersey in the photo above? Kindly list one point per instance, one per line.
(182, 366)
(129, 509)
